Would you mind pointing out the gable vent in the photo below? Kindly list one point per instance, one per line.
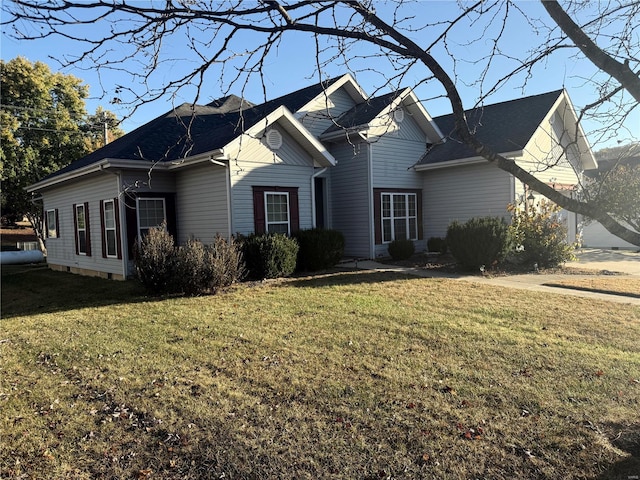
(274, 139)
(398, 115)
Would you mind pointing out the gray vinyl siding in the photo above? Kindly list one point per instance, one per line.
(62, 250)
(350, 197)
(393, 156)
(460, 193)
(257, 165)
(318, 118)
(148, 181)
(201, 203)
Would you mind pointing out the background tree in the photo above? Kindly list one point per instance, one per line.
(229, 42)
(616, 187)
(44, 128)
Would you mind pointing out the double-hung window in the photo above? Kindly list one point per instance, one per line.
(81, 221)
(109, 229)
(277, 212)
(51, 221)
(399, 216)
(151, 213)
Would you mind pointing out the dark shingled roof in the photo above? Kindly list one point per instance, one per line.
(363, 113)
(504, 127)
(213, 126)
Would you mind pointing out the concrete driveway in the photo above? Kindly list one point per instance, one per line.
(623, 261)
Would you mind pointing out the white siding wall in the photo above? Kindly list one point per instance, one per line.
(201, 203)
(350, 197)
(62, 250)
(256, 165)
(320, 115)
(460, 193)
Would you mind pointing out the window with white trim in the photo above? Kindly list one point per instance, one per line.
(399, 216)
(109, 224)
(151, 213)
(81, 230)
(276, 206)
(52, 223)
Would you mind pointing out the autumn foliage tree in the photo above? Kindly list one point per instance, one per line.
(396, 41)
(44, 128)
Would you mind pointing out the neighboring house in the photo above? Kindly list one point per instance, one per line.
(594, 235)
(376, 169)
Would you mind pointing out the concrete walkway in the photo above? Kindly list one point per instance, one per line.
(624, 262)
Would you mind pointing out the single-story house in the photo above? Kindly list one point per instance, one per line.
(376, 169)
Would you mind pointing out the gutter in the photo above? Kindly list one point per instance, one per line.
(462, 161)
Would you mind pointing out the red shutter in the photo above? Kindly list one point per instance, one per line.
(102, 230)
(116, 208)
(88, 230)
(419, 213)
(75, 228)
(377, 216)
(259, 219)
(294, 210)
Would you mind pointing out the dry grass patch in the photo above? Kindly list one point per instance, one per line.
(360, 375)
(621, 285)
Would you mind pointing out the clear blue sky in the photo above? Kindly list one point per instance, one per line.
(291, 67)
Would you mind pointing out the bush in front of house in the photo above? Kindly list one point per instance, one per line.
(191, 269)
(401, 249)
(480, 242)
(437, 244)
(540, 235)
(155, 261)
(319, 248)
(269, 255)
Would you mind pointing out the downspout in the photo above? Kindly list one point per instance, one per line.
(313, 195)
(372, 231)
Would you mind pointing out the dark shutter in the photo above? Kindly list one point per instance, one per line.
(294, 211)
(116, 208)
(259, 220)
(87, 228)
(131, 220)
(419, 214)
(57, 224)
(75, 228)
(377, 215)
(46, 223)
(103, 235)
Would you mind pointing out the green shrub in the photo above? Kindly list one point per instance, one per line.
(319, 248)
(480, 242)
(437, 244)
(540, 235)
(401, 249)
(270, 255)
(155, 261)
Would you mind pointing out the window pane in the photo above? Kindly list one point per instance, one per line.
(111, 243)
(412, 205)
(277, 208)
(150, 213)
(278, 228)
(386, 230)
(80, 217)
(413, 229)
(82, 242)
(399, 206)
(109, 215)
(400, 227)
(51, 224)
(386, 206)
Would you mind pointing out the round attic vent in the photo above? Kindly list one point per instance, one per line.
(274, 139)
(398, 115)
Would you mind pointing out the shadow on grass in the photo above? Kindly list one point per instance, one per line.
(627, 439)
(34, 289)
(347, 277)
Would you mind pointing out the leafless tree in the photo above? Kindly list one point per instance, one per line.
(234, 39)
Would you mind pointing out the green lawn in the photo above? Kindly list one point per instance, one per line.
(356, 375)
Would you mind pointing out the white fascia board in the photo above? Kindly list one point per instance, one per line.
(590, 162)
(295, 128)
(218, 154)
(463, 161)
(79, 172)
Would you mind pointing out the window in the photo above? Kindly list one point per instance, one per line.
(81, 221)
(51, 220)
(110, 228)
(277, 212)
(151, 213)
(398, 217)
